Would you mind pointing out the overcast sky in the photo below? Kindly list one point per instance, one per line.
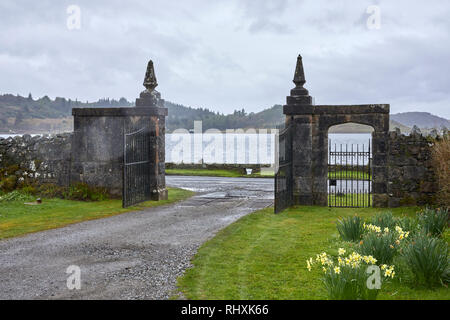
(230, 54)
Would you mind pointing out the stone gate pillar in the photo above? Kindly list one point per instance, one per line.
(98, 141)
(299, 115)
(310, 124)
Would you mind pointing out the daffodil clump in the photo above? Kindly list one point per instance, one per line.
(388, 270)
(345, 277)
(382, 243)
(373, 228)
(401, 234)
(353, 260)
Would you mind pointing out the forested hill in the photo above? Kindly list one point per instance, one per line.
(184, 117)
(25, 114)
(20, 114)
(12, 106)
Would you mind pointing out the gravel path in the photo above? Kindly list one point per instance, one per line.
(137, 255)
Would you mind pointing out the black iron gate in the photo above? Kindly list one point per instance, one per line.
(136, 167)
(349, 176)
(283, 176)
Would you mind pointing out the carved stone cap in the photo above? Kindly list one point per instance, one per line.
(118, 112)
(361, 109)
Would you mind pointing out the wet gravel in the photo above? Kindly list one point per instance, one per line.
(137, 255)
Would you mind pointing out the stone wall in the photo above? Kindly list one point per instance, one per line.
(98, 146)
(93, 154)
(411, 178)
(44, 159)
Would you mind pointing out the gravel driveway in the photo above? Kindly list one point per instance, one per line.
(137, 255)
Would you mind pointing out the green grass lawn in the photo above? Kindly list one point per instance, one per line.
(350, 200)
(17, 219)
(262, 256)
(348, 175)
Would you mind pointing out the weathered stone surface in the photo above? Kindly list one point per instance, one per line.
(98, 145)
(43, 159)
(411, 177)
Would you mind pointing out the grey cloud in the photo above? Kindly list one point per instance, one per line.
(230, 54)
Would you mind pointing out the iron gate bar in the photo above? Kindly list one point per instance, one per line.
(283, 176)
(136, 167)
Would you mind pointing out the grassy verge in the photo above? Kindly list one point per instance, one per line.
(340, 175)
(215, 173)
(262, 256)
(17, 219)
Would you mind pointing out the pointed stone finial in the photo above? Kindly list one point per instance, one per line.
(150, 97)
(150, 82)
(299, 75)
(299, 95)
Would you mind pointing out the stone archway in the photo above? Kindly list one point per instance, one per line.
(310, 123)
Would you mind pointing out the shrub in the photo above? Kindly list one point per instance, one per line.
(346, 278)
(433, 222)
(441, 165)
(350, 228)
(84, 192)
(384, 220)
(28, 189)
(49, 190)
(427, 257)
(8, 184)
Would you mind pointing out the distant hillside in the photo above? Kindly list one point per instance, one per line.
(25, 114)
(420, 119)
(184, 117)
